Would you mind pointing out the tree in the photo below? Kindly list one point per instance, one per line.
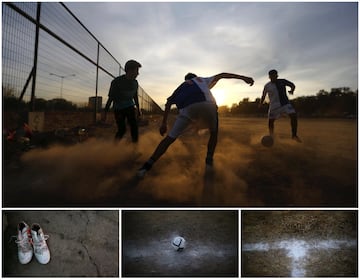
(10, 101)
(223, 110)
(60, 104)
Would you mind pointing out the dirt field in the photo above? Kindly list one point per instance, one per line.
(211, 243)
(321, 171)
(299, 244)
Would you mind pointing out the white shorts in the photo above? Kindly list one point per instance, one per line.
(279, 111)
(203, 113)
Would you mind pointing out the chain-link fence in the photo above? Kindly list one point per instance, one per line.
(48, 54)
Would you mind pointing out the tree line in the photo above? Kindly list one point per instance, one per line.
(339, 102)
(12, 103)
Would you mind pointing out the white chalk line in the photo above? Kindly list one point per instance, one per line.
(298, 250)
(133, 249)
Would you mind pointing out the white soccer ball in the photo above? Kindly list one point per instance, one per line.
(178, 243)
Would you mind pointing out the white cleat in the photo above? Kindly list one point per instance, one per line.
(25, 250)
(41, 249)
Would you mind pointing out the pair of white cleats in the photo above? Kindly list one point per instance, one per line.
(32, 241)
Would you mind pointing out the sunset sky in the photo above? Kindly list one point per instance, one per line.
(314, 45)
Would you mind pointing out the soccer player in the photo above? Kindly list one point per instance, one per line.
(279, 102)
(195, 102)
(124, 94)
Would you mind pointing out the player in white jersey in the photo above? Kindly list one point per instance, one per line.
(195, 102)
(279, 102)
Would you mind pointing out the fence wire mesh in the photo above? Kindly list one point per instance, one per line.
(69, 62)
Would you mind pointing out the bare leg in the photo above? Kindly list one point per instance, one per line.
(159, 151)
(293, 122)
(162, 147)
(294, 125)
(271, 126)
(211, 147)
(214, 129)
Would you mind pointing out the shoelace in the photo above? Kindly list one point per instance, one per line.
(40, 245)
(24, 244)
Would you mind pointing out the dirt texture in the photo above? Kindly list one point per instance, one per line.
(299, 244)
(66, 172)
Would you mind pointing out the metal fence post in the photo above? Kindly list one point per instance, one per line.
(32, 100)
(34, 21)
(97, 81)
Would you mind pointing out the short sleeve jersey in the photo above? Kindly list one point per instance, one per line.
(277, 93)
(192, 91)
(122, 92)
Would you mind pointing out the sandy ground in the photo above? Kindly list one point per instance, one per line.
(211, 243)
(81, 243)
(321, 171)
(299, 244)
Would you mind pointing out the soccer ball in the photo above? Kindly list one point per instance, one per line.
(178, 243)
(267, 141)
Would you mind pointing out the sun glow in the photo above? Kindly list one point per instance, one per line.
(219, 95)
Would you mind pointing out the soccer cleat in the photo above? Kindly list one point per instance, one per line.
(25, 251)
(297, 139)
(145, 168)
(141, 173)
(41, 249)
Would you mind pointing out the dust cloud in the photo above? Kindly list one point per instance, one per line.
(103, 170)
(101, 173)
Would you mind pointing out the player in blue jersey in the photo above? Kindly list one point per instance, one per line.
(279, 102)
(195, 102)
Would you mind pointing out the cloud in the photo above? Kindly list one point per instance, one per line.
(171, 39)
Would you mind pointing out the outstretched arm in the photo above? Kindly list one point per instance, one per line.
(217, 77)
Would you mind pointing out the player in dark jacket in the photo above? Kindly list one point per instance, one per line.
(123, 94)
